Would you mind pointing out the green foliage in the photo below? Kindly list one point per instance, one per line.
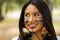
(21, 1)
(1, 2)
(57, 3)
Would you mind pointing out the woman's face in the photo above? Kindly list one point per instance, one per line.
(33, 18)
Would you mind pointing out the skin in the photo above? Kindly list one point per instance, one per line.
(33, 18)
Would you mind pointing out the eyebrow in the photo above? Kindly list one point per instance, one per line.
(36, 12)
(33, 12)
(26, 13)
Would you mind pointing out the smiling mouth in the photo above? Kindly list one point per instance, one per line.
(32, 26)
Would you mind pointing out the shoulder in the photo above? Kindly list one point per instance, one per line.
(58, 37)
(15, 38)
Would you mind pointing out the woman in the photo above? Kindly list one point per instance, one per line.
(35, 22)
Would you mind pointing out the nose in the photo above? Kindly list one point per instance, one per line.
(31, 19)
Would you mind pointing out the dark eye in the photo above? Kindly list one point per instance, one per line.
(36, 14)
(26, 14)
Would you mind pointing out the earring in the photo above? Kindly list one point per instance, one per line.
(44, 32)
(25, 31)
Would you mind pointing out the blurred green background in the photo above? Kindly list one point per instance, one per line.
(10, 13)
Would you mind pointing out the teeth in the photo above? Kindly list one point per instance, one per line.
(32, 25)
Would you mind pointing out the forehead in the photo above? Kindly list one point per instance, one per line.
(31, 8)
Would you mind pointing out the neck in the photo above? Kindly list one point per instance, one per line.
(37, 36)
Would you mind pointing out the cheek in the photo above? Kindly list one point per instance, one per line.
(26, 21)
(27, 27)
(38, 19)
(39, 26)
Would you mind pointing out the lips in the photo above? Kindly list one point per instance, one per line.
(32, 26)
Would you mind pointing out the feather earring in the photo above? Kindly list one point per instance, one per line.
(27, 34)
(44, 32)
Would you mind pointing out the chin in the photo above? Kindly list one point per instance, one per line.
(33, 30)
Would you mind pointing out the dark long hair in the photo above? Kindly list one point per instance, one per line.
(47, 18)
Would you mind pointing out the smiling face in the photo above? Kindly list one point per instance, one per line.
(33, 18)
